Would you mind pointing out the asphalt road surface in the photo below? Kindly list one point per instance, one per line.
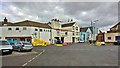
(80, 54)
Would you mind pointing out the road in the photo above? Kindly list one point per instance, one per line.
(80, 54)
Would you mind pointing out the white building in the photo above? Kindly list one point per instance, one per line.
(72, 26)
(29, 30)
(68, 32)
(25, 31)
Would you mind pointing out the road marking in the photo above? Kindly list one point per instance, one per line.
(43, 50)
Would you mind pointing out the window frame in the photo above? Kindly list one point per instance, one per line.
(109, 38)
(24, 28)
(40, 30)
(9, 28)
(17, 29)
(36, 29)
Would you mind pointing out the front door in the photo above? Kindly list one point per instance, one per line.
(73, 39)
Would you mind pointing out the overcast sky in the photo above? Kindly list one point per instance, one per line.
(81, 12)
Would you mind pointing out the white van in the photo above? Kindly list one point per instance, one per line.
(5, 47)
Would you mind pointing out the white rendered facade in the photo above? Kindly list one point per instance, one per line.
(10, 32)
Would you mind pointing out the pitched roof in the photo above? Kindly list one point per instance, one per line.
(31, 23)
(84, 29)
(63, 30)
(116, 25)
(8, 23)
(113, 29)
(68, 24)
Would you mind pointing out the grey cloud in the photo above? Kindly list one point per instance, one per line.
(106, 12)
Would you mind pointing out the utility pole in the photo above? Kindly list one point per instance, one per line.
(93, 30)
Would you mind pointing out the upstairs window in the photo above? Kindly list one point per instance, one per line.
(58, 32)
(73, 27)
(66, 33)
(40, 30)
(24, 28)
(17, 28)
(36, 29)
(76, 28)
(109, 38)
(9, 28)
(77, 33)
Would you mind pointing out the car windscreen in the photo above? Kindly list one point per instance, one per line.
(4, 43)
(27, 43)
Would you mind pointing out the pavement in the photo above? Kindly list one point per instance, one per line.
(80, 54)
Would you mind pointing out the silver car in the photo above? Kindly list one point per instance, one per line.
(5, 47)
(22, 46)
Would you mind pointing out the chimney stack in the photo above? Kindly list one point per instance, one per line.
(5, 21)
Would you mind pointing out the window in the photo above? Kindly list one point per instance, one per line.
(109, 38)
(36, 29)
(17, 28)
(58, 32)
(77, 33)
(28, 39)
(9, 28)
(76, 28)
(73, 34)
(73, 27)
(44, 30)
(50, 30)
(24, 28)
(40, 30)
(4, 43)
(66, 33)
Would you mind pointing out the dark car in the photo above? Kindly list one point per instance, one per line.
(22, 46)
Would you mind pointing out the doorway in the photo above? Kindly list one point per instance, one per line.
(73, 39)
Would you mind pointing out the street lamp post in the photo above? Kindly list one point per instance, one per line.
(93, 30)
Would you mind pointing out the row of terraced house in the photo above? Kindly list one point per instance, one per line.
(29, 30)
(112, 36)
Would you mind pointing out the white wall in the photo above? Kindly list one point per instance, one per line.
(68, 38)
(1, 33)
(76, 32)
(112, 35)
(45, 35)
(29, 32)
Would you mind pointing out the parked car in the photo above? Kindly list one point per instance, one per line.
(81, 41)
(5, 47)
(99, 43)
(22, 46)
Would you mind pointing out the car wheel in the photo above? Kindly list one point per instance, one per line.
(30, 50)
(10, 52)
(19, 50)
